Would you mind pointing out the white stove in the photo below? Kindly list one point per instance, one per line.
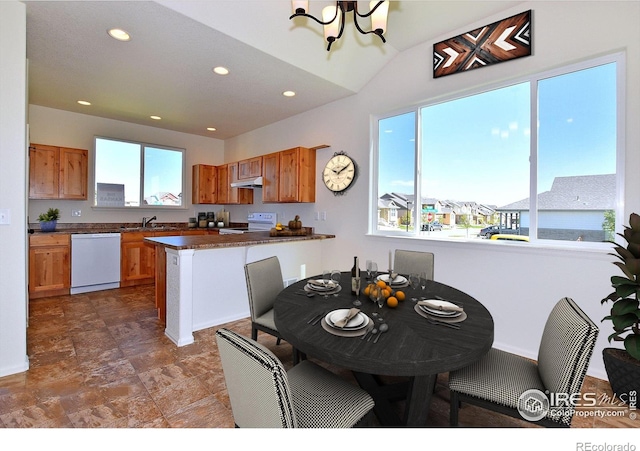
(257, 222)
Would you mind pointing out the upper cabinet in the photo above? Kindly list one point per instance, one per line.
(57, 172)
(250, 168)
(212, 185)
(289, 176)
(204, 184)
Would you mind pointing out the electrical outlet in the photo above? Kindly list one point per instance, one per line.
(323, 215)
(76, 213)
(317, 216)
(5, 216)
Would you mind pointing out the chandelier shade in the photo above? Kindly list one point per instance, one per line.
(333, 18)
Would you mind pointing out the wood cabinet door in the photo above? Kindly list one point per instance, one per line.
(49, 265)
(270, 177)
(289, 176)
(232, 176)
(137, 259)
(222, 193)
(204, 183)
(73, 173)
(43, 171)
(250, 168)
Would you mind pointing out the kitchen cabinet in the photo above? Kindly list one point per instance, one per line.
(204, 184)
(49, 265)
(237, 195)
(57, 172)
(137, 258)
(289, 176)
(250, 168)
(223, 188)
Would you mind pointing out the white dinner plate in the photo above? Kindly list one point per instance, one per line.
(322, 285)
(357, 322)
(437, 312)
(311, 289)
(399, 280)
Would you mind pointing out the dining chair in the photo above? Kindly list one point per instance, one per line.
(264, 395)
(406, 262)
(498, 380)
(264, 282)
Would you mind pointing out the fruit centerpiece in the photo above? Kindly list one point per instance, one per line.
(381, 290)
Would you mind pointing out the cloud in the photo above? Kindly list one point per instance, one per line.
(402, 183)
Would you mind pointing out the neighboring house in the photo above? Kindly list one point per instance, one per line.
(387, 212)
(572, 209)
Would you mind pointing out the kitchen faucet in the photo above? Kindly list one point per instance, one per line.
(145, 221)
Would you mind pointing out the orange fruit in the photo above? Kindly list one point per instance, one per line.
(367, 290)
(392, 302)
(400, 295)
(382, 284)
(386, 292)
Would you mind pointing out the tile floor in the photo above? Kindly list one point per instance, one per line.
(101, 360)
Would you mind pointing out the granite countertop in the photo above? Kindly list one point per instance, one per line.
(231, 240)
(122, 227)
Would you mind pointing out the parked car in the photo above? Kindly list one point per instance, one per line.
(431, 227)
(488, 231)
(508, 237)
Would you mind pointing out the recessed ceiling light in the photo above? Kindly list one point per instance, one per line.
(84, 102)
(119, 34)
(211, 129)
(155, 118)
(289, 93)
(220, 70)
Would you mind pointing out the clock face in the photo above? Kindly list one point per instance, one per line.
(339, 173)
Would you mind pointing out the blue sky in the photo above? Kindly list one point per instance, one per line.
(477, 148)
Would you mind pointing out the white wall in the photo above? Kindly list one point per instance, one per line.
(64, 128)
(518, 286)
(13, 283)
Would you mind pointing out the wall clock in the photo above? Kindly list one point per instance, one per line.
(339, 173)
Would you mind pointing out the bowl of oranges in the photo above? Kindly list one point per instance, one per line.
(382, 293)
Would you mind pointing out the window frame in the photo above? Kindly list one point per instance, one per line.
(142, 145)
(619, 58)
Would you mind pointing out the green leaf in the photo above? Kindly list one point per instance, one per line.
(632, 345)
(626, 269)
(623, 291)
(624, 306)
(622, 322)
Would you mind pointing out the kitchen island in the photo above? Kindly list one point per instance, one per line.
(200, 280)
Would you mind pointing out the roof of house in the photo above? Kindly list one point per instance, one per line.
(581, 192)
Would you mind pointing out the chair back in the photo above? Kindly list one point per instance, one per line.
(408, 262)
(256, 383)
(565, 350)
(264, 282)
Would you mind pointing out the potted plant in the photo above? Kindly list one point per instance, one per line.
(49, 220)
(623, 365)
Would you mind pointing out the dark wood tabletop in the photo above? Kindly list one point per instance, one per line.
(412, 346)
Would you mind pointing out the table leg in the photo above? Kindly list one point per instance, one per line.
(419, 400)
(417, 393)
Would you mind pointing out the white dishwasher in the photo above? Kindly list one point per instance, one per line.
(95, 262)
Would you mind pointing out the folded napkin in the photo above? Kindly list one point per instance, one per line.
(443, 308)
(343, 321)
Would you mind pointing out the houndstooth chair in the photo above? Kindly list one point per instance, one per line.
(407, 262)
(498, 379)
(264, 395)
(264, 282)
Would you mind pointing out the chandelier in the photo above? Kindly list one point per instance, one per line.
(333, 17)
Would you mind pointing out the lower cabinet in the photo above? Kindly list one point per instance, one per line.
(49, 265)
(138, 259)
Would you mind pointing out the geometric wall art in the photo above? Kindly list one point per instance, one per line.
(500, 41)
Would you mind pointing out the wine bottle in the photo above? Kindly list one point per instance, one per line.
(355, 272)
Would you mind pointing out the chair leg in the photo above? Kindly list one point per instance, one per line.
(454, 403)
(278, 341)
(254, 334)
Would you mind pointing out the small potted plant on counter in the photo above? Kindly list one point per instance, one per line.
(623, 365)
(49, 220)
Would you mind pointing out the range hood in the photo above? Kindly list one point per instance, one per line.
(249, 183)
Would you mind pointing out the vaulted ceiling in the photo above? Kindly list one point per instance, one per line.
(166, 68)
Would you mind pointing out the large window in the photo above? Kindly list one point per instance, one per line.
(538, 157)
(130, 174)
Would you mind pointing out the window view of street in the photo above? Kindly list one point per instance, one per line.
(479, 157)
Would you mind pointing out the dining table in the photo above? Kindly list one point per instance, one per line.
(399, 364)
